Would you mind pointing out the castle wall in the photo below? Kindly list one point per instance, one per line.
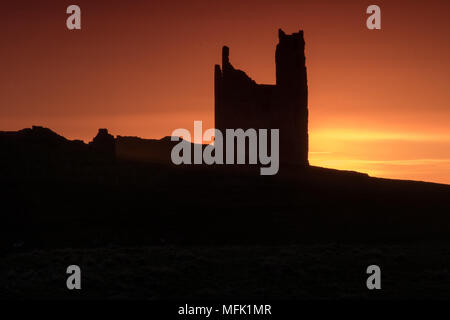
(242, 103)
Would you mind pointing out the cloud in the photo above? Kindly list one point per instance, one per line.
(358, 135)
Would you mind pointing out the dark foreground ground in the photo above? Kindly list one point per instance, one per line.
(156, 231)
(329, 271)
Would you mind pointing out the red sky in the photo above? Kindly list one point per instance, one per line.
(378, 100)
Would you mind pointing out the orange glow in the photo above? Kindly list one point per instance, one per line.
(378, 100)
(399, 155)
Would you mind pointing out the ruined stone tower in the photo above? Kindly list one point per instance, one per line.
(242, 103)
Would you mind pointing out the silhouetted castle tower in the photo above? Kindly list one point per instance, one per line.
(242, 103)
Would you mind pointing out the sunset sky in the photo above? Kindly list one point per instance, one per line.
(379, 100)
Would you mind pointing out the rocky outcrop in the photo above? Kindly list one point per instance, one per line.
(104, 144)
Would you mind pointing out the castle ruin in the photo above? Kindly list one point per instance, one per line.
(242, 103)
